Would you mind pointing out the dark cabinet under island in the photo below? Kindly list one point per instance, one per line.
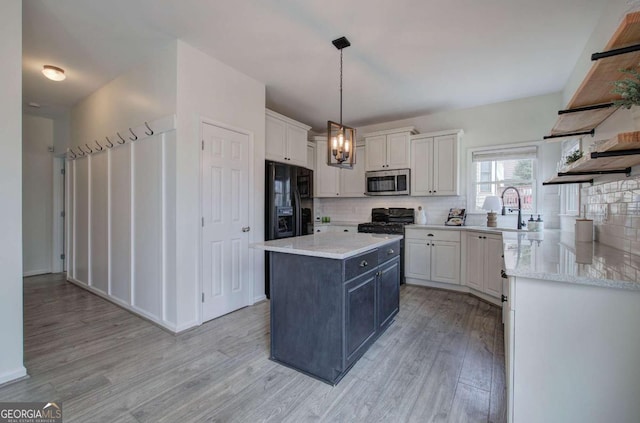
(332, 296)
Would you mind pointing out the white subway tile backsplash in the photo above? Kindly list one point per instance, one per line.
(615, 209)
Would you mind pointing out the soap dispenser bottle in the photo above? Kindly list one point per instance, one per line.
(539, 224)
(531, 224)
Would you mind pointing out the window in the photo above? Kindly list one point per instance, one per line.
(493, 170)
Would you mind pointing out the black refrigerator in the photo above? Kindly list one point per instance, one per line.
(288, 204)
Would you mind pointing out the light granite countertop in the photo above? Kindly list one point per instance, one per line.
(555, 256)
(333, 245)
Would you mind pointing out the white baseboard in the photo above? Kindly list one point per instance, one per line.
(169, 326)
(13, 375)
(35, 272)
(260, 298)
(456, 288)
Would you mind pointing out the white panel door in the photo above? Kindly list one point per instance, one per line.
(445, 261)
(445, 165)
(398, 151)
(225, 218)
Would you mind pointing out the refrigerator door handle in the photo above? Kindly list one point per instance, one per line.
(297, 211)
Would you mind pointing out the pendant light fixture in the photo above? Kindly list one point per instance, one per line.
(341, 139)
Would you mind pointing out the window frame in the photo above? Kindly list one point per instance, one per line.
(471, 179)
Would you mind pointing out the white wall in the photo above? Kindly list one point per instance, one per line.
(121, 201)
(144, 93)
(207, 88)
(516, 121)
(37, 195)
(11, 366)
(606, 26)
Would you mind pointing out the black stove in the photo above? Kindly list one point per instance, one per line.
(390, 221)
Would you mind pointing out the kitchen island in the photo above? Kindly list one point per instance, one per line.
(332, 296)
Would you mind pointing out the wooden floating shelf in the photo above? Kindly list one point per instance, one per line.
(597, 85)
(618, 155)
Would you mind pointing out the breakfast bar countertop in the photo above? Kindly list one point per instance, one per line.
(333, 245)
(554, 256)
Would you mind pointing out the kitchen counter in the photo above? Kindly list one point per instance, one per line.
(553, 255)
(334, 245)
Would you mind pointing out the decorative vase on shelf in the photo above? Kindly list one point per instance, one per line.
(421, 216)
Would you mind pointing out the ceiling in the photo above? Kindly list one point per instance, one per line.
(407, 58)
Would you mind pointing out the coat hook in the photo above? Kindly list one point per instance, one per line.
(135, 137)
(100, 148)
(121, 139)
(150, 130)
(90, 149)
(82, 151)
(70, 152)
(109, 143)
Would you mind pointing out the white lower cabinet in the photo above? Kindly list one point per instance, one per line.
(432, 255)
(484, 263)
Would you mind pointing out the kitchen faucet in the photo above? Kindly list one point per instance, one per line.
(504, 210)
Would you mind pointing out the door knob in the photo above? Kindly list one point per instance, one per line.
(246, 229)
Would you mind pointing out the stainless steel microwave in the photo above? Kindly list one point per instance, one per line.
(388, 182)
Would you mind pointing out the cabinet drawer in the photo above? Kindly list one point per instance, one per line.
(388, 252)
(432, 234)
(360, 264)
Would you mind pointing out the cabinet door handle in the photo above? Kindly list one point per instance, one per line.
(391, 251)
(503, 274)
(246, 229)
(345, 230)
(504, 298)
(364, 263)
(429, 234)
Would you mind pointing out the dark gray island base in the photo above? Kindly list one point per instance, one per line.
(326, 312)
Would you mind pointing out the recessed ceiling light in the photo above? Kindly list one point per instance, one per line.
(54, 73)
(34, 105)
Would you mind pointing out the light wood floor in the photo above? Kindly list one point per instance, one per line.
(442, 360)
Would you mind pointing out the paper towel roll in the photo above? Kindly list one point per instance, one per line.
(584, 230)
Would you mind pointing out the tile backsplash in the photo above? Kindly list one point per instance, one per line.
(615, 209)
(437, 209)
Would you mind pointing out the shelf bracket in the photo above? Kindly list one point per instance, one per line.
(626, 171)
(568, 182)
(615, 153)
(585, 108)
(571, 134)
(615, 52)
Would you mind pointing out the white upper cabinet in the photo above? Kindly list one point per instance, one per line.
(331, 181)
(434, 163)
(311, 156)
(352, 183)
(285, 139)
(388, 149)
